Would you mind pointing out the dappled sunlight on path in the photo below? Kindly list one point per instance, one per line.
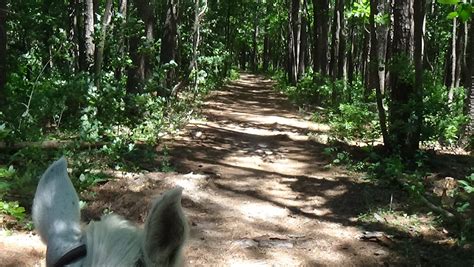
(269, 198)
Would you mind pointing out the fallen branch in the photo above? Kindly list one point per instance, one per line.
(437, 209)
(50, 144)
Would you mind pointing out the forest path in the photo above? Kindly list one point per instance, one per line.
(267, 198)
(257, 191)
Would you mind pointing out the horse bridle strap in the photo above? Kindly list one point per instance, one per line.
(72, 256)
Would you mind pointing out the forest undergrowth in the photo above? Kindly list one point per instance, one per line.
(438, 181)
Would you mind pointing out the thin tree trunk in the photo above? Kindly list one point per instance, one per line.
(364, 67)
(146, 13)
(418, 21)
(73, 34)
(470, 95)
(303, 46)
(382, 34)
(323, 38)
(106, 19)
(460, 51)
(89, 34)
(193, 65)
(3, 51)
(316, 35)
(453, 61)
(254, 59)
(81, 41)
(122, 40)
(350, 62)
(169, 42)
(375, 81)
(342, 41)
(335, 28)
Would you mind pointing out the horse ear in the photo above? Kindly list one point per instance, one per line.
(166, 230)
(56, 213)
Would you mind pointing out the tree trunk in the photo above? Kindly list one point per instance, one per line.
(363, 65)
(266, 38)
(169, 41)
(453, 61)
(303, 47)
(122, 40)
(256, 32)
(350, 61)
(103, 34)
(193, 65)
(3, 51)
(80, 29)
(46, 36)
(335, 28)
(342, 41)
(418, 22)
(382, 32)
(89, 34)
(375, 81)
(323, 24)
(73, 35)
(266, 51)
(294, 27)
(146, 13)
(470, 94)
(401, 127)
(316, 36)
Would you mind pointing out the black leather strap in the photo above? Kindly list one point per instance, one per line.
(72, 256)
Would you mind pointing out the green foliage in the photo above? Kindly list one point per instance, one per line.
(462, 11)
(468, 184)
(360, 11)
(442, 122)
(467, 193)
(6, 175)
(465, 207)
(355, 122)
(234, 74)
(12, 208)
(387, 168)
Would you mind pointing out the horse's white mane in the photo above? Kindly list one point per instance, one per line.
(113, 241)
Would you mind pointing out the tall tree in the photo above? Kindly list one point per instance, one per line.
(193, 68)
(169, 41)
(321, 26)
(382, 36)
(470, 95)
(106, 19)
(402, 131)
(418, 22)
(375, 81)
(3, 50)
(140, 68)
(294, 39)
(89, 44)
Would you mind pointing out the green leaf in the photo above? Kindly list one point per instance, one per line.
(453, 15)
(448, 2)
(465, 12)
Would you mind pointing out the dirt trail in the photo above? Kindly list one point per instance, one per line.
(257, 192)
(267, 199)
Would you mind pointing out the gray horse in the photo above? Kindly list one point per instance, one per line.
(113, 241)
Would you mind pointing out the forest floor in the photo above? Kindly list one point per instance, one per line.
(259, 192)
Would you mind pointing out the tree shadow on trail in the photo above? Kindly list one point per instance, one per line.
(240, 160)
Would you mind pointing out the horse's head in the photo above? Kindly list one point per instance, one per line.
(112, 241)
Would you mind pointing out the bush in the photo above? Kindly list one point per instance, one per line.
(355, 122)
(444, 121)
